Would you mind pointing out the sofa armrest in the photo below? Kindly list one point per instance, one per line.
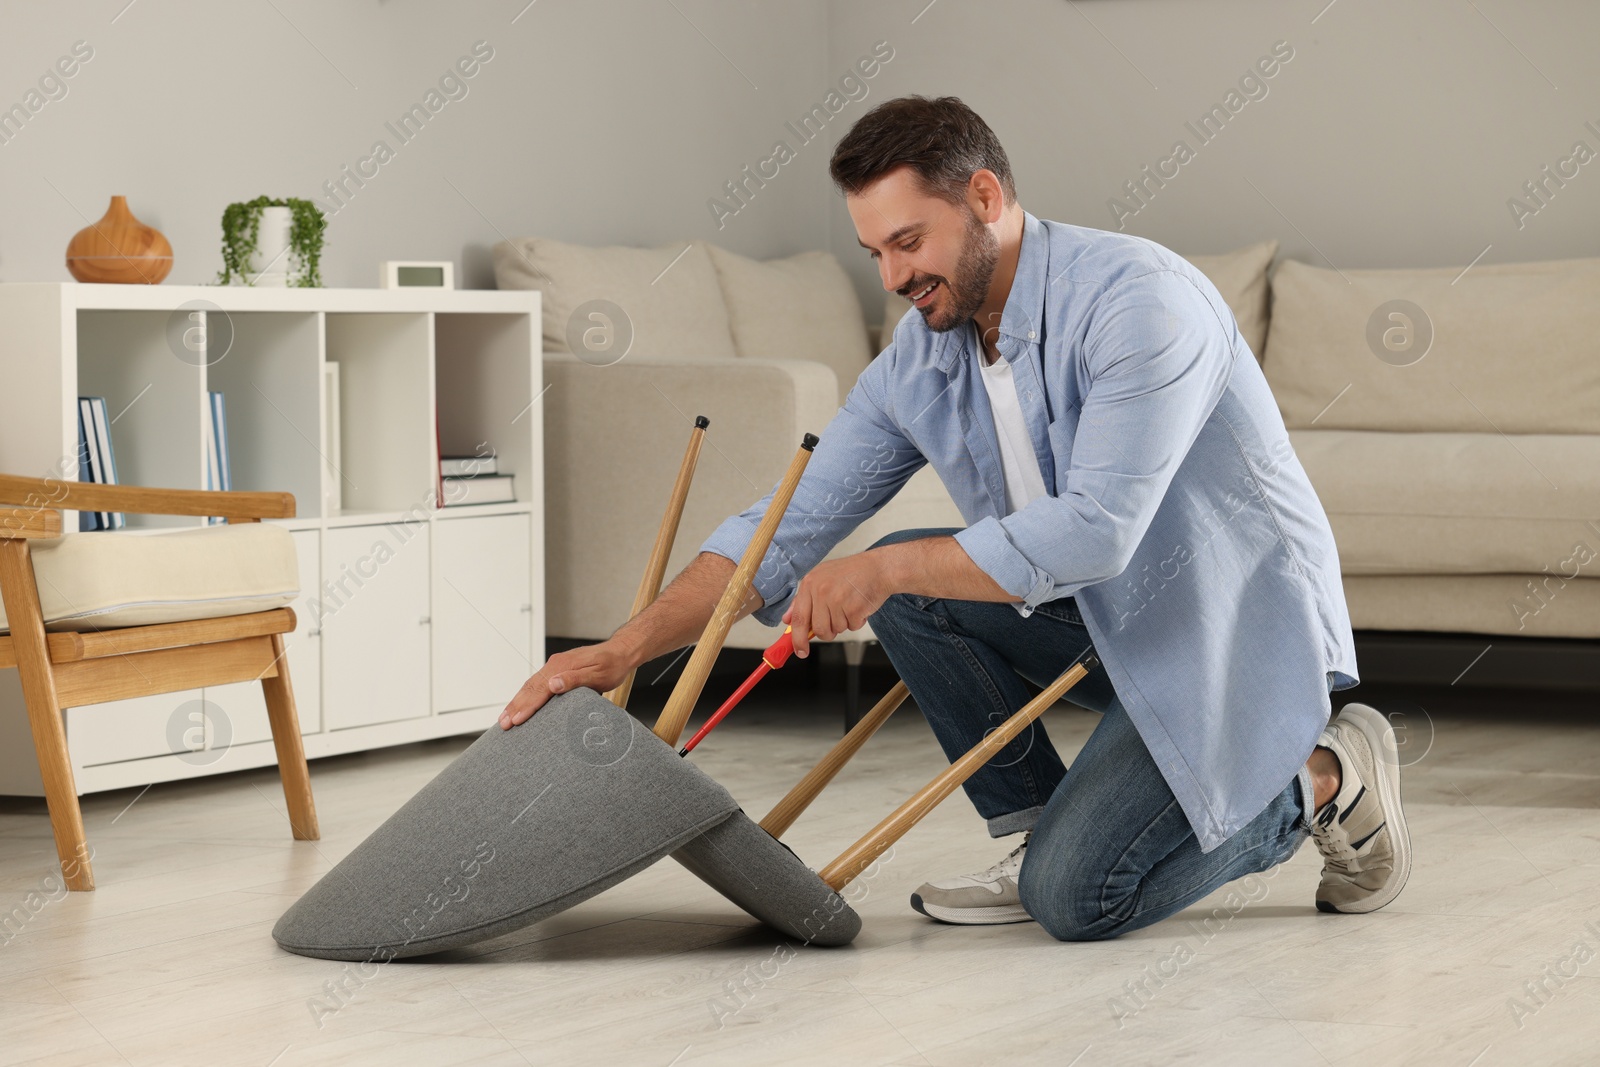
(614, 437)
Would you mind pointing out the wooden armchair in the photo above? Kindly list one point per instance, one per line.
(71, 669)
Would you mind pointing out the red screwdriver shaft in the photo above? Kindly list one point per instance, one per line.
(771, 659)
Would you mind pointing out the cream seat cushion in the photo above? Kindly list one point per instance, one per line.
(103, 580)
(1240, 276)
(669, 294)
(1457, 503)
(802, 307)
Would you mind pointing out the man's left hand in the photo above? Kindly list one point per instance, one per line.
(837, 596)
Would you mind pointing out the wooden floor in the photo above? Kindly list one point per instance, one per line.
(1491, 956)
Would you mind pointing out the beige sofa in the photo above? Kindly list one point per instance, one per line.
(766, 351)
(1459, 485)
(1454, 442)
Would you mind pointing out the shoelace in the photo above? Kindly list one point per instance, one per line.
(1010, 864)
(1334, 847)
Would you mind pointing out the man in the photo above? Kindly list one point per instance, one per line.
(1129, 487)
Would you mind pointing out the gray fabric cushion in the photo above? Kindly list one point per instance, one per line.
(525, 823)
(753, 869)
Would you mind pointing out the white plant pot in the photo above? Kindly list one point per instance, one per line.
(269, 264)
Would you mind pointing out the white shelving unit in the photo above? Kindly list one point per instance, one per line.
(414, 621)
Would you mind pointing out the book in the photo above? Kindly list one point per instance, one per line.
(218, 475)
(219, 424)
(480, 489)
(211, 475)
(332, 478)
(102, 459)
(108, 458)
(438, 476)
(467, 466)
(86, 413)
(87, 520)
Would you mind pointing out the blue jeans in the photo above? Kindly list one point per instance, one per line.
(1111, 849)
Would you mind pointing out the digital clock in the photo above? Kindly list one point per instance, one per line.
(417, 274)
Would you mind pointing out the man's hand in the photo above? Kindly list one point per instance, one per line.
(837, 596)
(599, 667)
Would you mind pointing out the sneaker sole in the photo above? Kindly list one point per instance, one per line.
(1380, 737)
(1006, 913)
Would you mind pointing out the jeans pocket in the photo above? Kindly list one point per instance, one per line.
(1063, 610)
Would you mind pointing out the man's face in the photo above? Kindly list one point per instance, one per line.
(939, 255)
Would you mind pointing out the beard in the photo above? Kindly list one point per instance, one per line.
(964, 293)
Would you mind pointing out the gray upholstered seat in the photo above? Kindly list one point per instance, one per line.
(522, 825)
(759, 873)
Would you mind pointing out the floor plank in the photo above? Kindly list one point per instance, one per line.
(171, 962)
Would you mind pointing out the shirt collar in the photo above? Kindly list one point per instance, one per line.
(1023, 316)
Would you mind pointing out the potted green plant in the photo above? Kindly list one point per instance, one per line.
(272, 242)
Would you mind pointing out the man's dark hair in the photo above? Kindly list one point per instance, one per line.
(942, 140)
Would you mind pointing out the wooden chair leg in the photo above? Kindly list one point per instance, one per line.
(680, 704)
(656, 567)
(21, 595)
(285, 720)
(781, 817)
(859, 856)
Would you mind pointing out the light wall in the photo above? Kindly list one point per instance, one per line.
(1394, 136)
(596, 121)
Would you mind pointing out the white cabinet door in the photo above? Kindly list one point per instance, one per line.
(137, 728)
(482, 613)
(375, 624)
(240, 709)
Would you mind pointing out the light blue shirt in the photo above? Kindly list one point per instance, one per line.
(1178, 515)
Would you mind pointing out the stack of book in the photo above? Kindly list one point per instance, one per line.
(473, 480)
(218, 474)
(96, 462)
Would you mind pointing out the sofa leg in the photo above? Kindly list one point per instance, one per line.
(854, 653)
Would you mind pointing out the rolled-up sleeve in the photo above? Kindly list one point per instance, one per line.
(861, 460)
(1157, 365)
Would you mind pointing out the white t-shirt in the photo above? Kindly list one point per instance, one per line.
(1024, 482)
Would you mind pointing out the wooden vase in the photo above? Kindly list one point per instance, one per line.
(119, 248)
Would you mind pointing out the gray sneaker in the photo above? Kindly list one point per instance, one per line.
(983, 899)
(1361, 832)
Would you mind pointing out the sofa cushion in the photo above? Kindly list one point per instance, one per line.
(802, 307)
(1515, 348)
(1457, 503)
(1518, 605)
(1240, 276)
(99, 581)
(669, 294)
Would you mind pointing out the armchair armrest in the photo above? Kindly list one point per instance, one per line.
(53, 494)
(23, 523)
